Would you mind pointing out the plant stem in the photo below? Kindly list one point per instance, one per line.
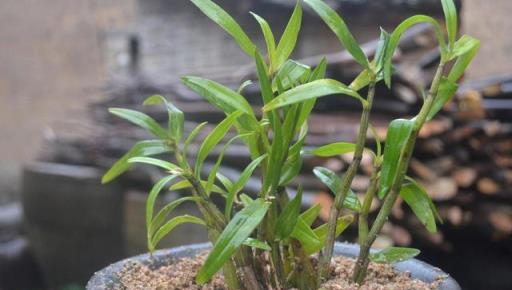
(367, 203)
(361, 265)
(336, 207)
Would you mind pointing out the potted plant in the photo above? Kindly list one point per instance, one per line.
(265, 241)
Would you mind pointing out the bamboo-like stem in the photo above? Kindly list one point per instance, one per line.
(336, 207)
(367, 203)
(361, 265)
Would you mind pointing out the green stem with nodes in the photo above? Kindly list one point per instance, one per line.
(367, 203)
(361, 265)
(336, 207)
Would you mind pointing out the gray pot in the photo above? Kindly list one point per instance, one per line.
(107, 278)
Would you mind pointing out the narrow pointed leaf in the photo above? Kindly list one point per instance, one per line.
(312, 90)
(419, 202)
(192, 136)
(464, 45)
(289, 38)
(153, 194)
(224, 20)
(157, 162)
(291, 73)
(234, 235)
(446, 91)
(162, 214)
(268, 35)
(176, 117)
(338, 26)
(173, 223)
(333, 149)
(306, 236)
(184, 184)
(243, 85)
(218, 95)
(333, 182)
(213, 172)
(394, 255)
(394, 40)
(142, 120)
(398, 133)
(310, 215)
(142, 148)
(361, 81)
(341, 225)
(450, 15)
(463, 62)
(288, 218)
(253, 243)
(240, 183)
(215, 136)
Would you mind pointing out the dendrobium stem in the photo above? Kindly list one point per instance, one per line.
(336, 207)
(365, 209)
(362, 262)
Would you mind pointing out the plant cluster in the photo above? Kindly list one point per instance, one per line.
(265, 241)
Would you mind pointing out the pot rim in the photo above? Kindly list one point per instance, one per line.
(106, 278)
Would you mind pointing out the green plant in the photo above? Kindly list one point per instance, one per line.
(265, 242)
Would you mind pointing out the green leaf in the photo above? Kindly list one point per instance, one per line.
(361, 81)
(464, 45)
(333, 149)
(319, 71)
(173, 223)
(193, 134)
(342, 224)
(306, 236)
(419, 201)
(142, 148)
(394, 255)
(463, 62)
(312, 90)
(289, 37)
(394, 40)
(218, 95)
(380, 53)
(184, 184)
(213, 172)
(213, 139)
(224, 20)
(234, 235)
(307, 106)
(291, 168)
(450, 15)
(176, 117)
(153, 194)
(333, 182)
(142, 120)
(399, 131)
(266, 88)
(291, 73)
(310, 215)
(245, 199)
(446, 91)
(288, 218)
(157, 162)
(161, 216)
(268, 35)
(243, 85)
(431, 203)
(253, 243)
(225, 181)
(240, 183)
(338, 26)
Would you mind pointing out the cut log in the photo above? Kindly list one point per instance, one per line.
(464, 177)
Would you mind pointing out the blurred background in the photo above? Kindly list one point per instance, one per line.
(63, 63)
